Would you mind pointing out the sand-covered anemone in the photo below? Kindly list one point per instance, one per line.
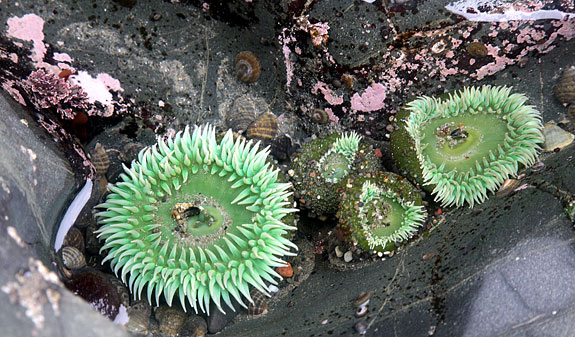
(322, 167)
(465, 145)
(378, 213)
(199, 219)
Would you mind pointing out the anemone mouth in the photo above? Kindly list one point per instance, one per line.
(378, 213)
(468, 144)
(385, 217)
(197, 219)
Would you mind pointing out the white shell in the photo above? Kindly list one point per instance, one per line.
(555, 137)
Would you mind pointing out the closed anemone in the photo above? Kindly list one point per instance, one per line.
(466, 145)
(378, 213)
(199, 219)
(324, 164)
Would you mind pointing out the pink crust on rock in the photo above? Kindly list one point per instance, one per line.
(328, 94)
(29, 28)
(333, 118)
(110, 82)
(63, 57)
(96, 90)
(371, 99)
(47, 90)
(284, 41)
(8, 85)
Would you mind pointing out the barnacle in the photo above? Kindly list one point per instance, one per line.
(323, 165)
(466, 145)
(198, 219)
(379, 212)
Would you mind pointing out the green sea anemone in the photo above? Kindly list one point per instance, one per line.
(466, 145)
(377, 213)
(320, 170)
(199, 219)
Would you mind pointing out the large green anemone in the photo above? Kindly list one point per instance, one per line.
(378, 213)
(466, 145)
(199, 219)
(320, 170)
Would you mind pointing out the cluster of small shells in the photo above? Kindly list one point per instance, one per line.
(165, 321)
(245, 116)
(361, 308)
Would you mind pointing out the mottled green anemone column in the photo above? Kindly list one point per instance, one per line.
(466, 145)
(378, 213)
(322, 167)
(199, 219)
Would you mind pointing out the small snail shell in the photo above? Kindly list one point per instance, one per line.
(361, 311)
(260, 305)
(476, 49)
(565, 87)
(555, 137)
(171, 320)
(72, 258)
(100, 159)
(439, 46)
(508, 186)
(139, 313)
(264, 128)
(571, 112)
(320, 116)
(247, 67)
(74, 238)
(139, 322)
(362, 300)
(242, 113)
(121, 289)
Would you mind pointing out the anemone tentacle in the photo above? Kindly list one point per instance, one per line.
(198, 219)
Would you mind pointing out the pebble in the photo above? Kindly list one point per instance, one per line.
(273, 288)
(286, 271)
(348, 256)
(362, 300)
(338, 251)
(360, 327)
(361, 311)
(195, 326)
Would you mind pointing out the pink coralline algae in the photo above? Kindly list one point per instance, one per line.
(328, 94)
(371, 99)
(29, 28)
(47, 91)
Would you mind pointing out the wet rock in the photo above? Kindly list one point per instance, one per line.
(217, 320)
(194, 326)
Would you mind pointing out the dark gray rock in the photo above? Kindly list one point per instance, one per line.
(217, 320)
(36, 183)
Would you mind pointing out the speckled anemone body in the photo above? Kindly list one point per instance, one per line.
(323, 165)
(378, 213)
(198, 219)
(465, 146)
